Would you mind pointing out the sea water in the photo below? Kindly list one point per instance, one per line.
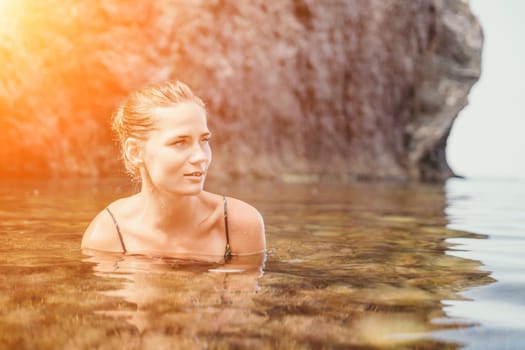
(349, 265)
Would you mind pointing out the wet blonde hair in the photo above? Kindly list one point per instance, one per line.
(133, 118)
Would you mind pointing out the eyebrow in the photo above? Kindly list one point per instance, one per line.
(180, 137)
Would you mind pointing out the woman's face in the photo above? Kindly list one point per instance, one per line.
(177, 153)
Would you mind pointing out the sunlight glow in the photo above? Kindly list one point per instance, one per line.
(6, 7)
(7, 12)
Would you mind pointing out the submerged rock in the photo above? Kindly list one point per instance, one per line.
(352, 89)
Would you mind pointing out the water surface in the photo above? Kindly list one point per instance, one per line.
(361, 265)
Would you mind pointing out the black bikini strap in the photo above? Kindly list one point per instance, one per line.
(228, 251)
(118, 230)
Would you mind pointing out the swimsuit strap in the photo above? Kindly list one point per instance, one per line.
(118, 230)
(228, 251)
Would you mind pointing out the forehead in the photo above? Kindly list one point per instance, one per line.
(185, 117)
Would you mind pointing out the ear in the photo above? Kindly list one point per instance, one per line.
(133, 150)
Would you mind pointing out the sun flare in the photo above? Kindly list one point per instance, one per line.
(5, 5)
(7, 12)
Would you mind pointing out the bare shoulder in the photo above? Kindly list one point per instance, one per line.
(101, 234)
(246, 228)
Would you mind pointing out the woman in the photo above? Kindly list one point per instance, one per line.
(165, 144)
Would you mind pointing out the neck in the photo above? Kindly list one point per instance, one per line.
(167, 212)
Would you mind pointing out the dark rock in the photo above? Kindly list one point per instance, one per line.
(352, 89)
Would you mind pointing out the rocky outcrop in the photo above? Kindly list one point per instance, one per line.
(450, 70)
(353, 89)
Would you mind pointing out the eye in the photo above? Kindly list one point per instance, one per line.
(178, 143)
(206, 139)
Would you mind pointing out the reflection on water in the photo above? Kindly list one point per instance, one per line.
(496, 209)
(167, 297)
(348, 265)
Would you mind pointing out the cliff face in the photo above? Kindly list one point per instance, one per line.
(365, 89)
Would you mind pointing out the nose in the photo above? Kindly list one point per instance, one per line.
(201, 153)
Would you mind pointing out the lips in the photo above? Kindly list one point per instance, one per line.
(195, 173)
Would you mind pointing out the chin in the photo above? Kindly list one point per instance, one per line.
(194, 193)
(191, 190)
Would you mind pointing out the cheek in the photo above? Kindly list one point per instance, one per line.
(165, 159)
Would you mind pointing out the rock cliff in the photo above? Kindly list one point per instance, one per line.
(344, 88)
